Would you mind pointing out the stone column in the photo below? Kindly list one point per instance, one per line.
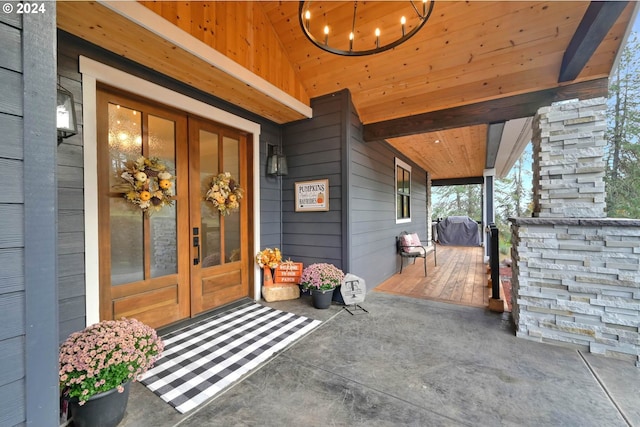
(568, 160)
(576, 273)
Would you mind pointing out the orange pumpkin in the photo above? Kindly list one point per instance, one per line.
(165, 184)
(145, 195)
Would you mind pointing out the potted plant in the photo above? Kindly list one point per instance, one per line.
(98, 364)
(321, 279)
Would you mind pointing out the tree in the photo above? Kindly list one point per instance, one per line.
(514, 192)
(464, 200)
(622, 176)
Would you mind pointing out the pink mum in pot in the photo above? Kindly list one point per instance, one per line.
(321, 276)
(106, 355)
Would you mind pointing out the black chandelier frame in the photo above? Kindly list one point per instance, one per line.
(323, 44)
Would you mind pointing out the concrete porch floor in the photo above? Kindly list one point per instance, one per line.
(414, 362)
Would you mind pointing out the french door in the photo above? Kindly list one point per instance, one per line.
(219, 271)
(181, 259)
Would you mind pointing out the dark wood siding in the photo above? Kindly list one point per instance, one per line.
(12, 281)
(40, 176)
(358, 233)
(372, 225)
(270, 192)
(314, 151)
(71, 278)
(28, 355)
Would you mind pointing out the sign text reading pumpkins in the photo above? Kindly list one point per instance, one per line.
(312, 195)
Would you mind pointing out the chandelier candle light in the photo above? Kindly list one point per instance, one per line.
(361, 34)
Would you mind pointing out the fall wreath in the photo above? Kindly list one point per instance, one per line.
(224, 193)
(149, 185)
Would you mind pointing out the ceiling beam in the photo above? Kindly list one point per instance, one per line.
(497, 110)
(457, 181)
(494, 136)
(595, 24)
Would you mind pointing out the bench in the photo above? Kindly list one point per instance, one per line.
(409, 246)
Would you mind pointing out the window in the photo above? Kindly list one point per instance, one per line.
(403, 192)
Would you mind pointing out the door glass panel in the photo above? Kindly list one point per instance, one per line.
(164, 253)
(125, 139)
(231, 162)
(210, 218)
(127, 252)
(162, 224)
(125, 143)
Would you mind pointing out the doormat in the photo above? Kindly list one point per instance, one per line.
(203, 359)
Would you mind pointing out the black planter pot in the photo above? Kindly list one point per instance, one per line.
(321, 299)
(104, 409)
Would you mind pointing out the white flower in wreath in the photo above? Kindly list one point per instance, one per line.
(224, 193)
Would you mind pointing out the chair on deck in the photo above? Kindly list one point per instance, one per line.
(410, 246)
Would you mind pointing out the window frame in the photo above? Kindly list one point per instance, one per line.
(400, 192)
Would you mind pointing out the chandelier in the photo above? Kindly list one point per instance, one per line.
(365, 28)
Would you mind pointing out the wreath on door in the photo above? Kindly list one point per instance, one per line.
(148, 184)
(224, 193)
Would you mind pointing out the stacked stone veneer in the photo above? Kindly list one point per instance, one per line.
(576, 273)
(568, 160)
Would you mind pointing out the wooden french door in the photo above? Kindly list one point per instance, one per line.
(183, 259)
(220, 267)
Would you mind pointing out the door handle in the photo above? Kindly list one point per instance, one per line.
(196, 244)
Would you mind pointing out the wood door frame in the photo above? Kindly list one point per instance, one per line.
(109, 294)
(93, 72)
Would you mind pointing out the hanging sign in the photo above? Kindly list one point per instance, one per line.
(353, 289)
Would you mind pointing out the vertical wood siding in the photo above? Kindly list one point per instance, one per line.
(41, 313)
(12, 284)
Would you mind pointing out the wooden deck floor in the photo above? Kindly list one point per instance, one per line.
(460, 278)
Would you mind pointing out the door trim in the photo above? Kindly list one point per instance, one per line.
(92, 72)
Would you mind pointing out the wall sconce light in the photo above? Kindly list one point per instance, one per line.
(276, 161)
(65, 115)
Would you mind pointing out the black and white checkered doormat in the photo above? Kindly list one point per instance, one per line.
(203, 359)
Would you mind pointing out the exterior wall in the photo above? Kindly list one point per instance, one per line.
(373, 212)
(71, 279)
(576, 274)
(314, 151)
(28, 313)
(12, 240)
(358, 233)
(270, 193)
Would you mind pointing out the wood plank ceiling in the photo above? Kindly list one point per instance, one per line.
(474, 63)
